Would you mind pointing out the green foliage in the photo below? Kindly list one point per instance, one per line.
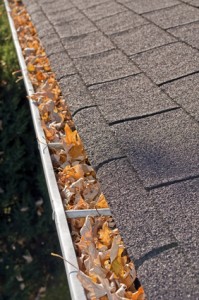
(27, 232)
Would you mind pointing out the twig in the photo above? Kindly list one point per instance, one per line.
(59, 256)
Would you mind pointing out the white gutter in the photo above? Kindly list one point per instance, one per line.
(68, 252)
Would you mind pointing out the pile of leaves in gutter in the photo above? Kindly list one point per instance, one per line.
(106, 272)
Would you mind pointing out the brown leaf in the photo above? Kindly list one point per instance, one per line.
(95, 290)
(81, 204)
(115, 247)
(105, 234)
(101, 202)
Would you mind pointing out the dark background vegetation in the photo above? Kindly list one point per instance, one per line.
(27, 232)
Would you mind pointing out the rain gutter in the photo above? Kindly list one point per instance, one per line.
(59, 215)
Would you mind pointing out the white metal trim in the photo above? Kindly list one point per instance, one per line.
(87, 212)
(55, 145)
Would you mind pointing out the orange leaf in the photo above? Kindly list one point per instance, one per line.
(105, 234)
(49, 132)
(101, 202)
(76, 151)
(47, 68)
(40, 76)
(139, 295)
(76, 172)
(71, 136)
(118, 265)
(30, 67)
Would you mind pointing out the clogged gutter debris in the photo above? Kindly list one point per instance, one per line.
(106, 271)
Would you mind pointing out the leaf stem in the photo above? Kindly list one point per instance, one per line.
(59, 256)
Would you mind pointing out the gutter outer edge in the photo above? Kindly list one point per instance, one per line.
(67, 248)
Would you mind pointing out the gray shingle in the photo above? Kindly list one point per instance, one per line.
(140, 224)
(174, 16)
(87, 3)
(187, 33)
(63, 16)
(61, 65)
(43, 25)
(103, 10)
(33, 7)
(192, 253)
(142, 6)
(75, 27)
(122, 1)
(97, 137)
(45, 30)
(168, 276)
(54, 2)
(162, 148)
(168, 62)
(56, 6)
(179, 202)
(105, 66)
(43, 1)
(185, 92)
(141, 39)
(87, 44)
(52, 44)
(27, 2)
(192, 2)
(75, 92)
(38, 18)
(120, 22)
(130, 97)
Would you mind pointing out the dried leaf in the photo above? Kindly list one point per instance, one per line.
(139, 295)
(81, 204)
(40, 76)
(75, 172)
(101, 202)
(72, 138)
(95, 290)
(86, 231)
(105, 234)
(49, 132)
(115, 247)
(30, 67)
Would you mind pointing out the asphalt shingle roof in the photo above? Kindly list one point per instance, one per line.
(106, 66)
(129, 70)
(168, 62)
